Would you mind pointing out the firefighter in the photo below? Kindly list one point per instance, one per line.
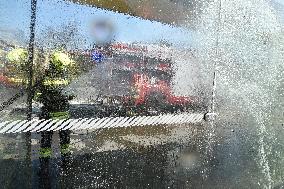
(16, 66)
(55, 100)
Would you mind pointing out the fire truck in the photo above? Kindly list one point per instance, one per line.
(133, 79)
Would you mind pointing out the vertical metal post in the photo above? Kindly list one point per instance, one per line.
(30, 85)
(217, 58)
(31, 58)
(211, 113)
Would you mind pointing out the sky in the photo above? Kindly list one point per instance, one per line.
(15, 16)
(280, 8)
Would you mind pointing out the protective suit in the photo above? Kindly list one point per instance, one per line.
(55, 101)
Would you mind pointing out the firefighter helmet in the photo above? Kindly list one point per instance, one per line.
(18, 56)
(61, 60)
(16, 66)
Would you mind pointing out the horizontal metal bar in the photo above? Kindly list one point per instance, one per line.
(98, 123)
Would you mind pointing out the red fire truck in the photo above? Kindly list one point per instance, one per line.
(141, 80)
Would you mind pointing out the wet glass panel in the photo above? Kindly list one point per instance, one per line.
(14, 38)
(143, 94)
(14, 55)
